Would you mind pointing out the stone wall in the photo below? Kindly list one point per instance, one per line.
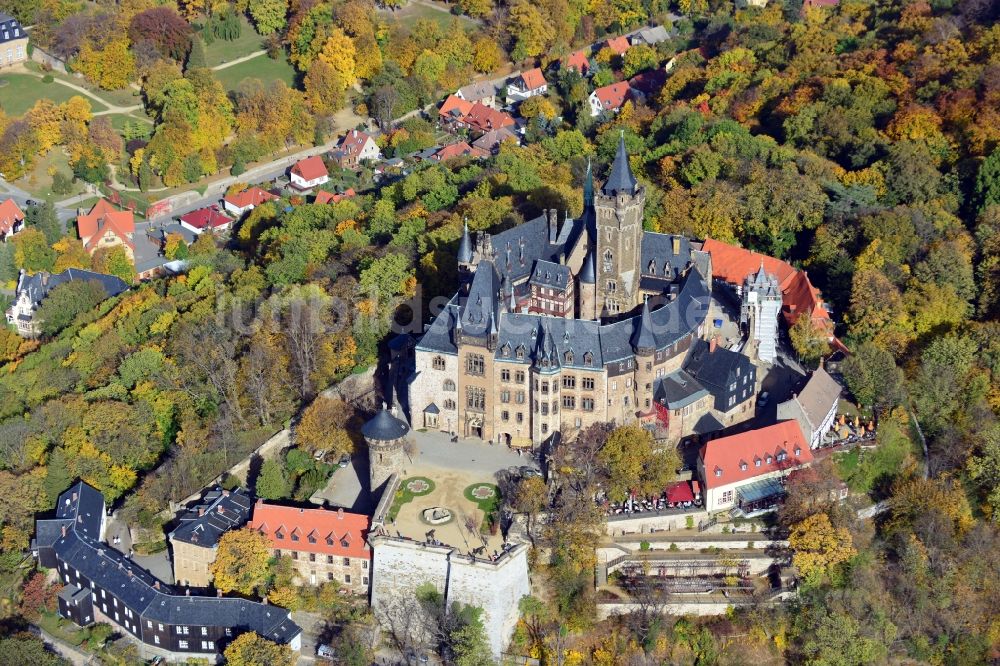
(401, 566)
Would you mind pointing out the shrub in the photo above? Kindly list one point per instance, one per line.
(689, 522)
(673, 546)
(643, 545)
(48, 78)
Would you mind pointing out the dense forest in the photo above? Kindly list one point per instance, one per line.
(861, 142)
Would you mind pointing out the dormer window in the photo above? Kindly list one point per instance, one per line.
(279, 533)
(295, 535)
(756, 462)
(782, 455)
(505, 350)
(652, 267)
(588, 359)
(798, 451)
(519, 352)
(769, 460)
(329, 539)
(743, 466)
(312, 537)
(344, 542)
(569, 357)
(718, 471)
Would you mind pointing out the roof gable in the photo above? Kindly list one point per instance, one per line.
(310, 168)
(735, 458)
(10, 215)
(337, 528)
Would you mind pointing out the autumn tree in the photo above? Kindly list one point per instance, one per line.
(32, 251)
(114, 261)
(241, 564)
(64, 303)
(818, 546)
(632, 462)
(530, 497)
(321, 429)
(810, 341)
(164, 29)
(250, 649)
(268, 15)
(273, 481)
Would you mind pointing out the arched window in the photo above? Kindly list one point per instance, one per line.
(438, 363)
(449, 385)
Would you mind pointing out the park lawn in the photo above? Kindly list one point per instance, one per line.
(118, 120)
(261, 67)
(412, 12)
(23, 90)
(39, 182)
(221, 51)
(872, 471)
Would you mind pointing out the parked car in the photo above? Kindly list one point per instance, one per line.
(345, 460)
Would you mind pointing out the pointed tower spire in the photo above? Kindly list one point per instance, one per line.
(513, 303)
(588, 187)
(465, 246)
(621, 178)
(588, 273)
(643, 339)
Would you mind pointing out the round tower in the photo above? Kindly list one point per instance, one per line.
(587, 289)
(386, 437)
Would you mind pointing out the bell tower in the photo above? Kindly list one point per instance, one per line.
(618, 209)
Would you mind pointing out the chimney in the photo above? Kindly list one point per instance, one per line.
(340, 514)
(218, 593)
(712, 344)
(75, 496)
(677, 245)
(553, 225)
(63, 529)
(201, 511)
(187, 592)
(156, 585)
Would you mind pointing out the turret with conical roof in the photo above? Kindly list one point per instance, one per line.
(386, 437)
(464, 254)
(587, 288)
(621, 178)
(643, 339)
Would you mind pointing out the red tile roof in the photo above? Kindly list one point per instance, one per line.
(618, 44)
(532, 79)
(731, 454)
(10, 215)
(614, 95)
(324, 197)
(102, 219)
(353, 142)
(209, 217)
(733, 264)
(484, 119)
(321, 531)
(253, 196)
(457, 150)
(310, 168)
(455, 107)
(577, 60)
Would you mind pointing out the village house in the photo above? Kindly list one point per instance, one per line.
(209, 218)
(609, 99)
(324, 545)
(577, 60)
(309, 173)
(245, 201)
(650, 36)
(324, 197)
(194, 543)
(13, 41)
(815, 407)
(745, 472)
(11, 219)
(105, 227)
(457, 149)
(354, 148)
(526, 85)
(483, 92)
(100, 584)
(490, 141)
(32, 290)
(484, 119)
(618, 44)
(453, 110)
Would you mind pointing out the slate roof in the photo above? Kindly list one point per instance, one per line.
(464, 254)
(621, 179)
(643, 337)
(717, 369)
(10, 29)
(218, 512)
(477, 91)
(143, 593)
(384, 427)
(818, 396)
(653, 35)
(708, 423)
(549, 274)
(588, 274)
(39, 285)
(678, 390)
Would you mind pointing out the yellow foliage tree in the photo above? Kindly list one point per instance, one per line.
(241, 564)
(340, 53)
(819, 546)
(322, 428)
(250, 649)
(71, 254)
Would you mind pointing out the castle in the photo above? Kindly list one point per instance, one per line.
(560, 323)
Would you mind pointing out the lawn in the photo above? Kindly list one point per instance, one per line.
(405, 494)
(23, 90)
(261, 67)
(118, 120)
(221, 51)
(872, 471)
(411, 13)
(39, 182)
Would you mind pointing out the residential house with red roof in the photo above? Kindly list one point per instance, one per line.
(527, 84)
(618, 44)
(453, 109)
(105, 226)
(209, 218)
(745, 472)
(247, 200)
(577, 60)
(732, 264)
(483, 119)
(309, 173)
(354, 148)
(11, 219)
(324, 545)
(609, 98)
(457, 149)
(324, 197)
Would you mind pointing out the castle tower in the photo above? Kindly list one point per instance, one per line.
(644, 346)
(466, 264)
(618, 210)
(760, 307)
(587, 289)
(386, 436)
